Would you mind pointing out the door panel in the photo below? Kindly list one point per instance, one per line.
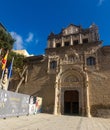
(71, 102)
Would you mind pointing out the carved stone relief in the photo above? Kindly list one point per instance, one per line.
(71, 79)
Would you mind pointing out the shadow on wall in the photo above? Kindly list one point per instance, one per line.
(100, 110)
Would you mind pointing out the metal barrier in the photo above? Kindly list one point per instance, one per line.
(13, 104)
(16, 104)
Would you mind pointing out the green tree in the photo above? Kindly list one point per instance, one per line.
(18, 60)
(6, 43)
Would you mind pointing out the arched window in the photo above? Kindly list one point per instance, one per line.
(53, 64)
(91, 61)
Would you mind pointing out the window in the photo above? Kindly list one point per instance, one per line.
(75, 42)
(53, 64)
(85, 40)
(91, 61)
(58, 45)
(67, 43)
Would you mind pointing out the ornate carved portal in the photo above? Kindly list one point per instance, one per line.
(71, 101)
(71, 94)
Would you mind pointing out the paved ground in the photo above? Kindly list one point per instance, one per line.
(52, 122)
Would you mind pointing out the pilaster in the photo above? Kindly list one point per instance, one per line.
(80, 38)
(87, 96)
(71, 40)
(62, 41)
(54, 43)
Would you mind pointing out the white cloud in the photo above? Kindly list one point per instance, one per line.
(18, 41)
(21, 43)
(30, 37)
(100, 2)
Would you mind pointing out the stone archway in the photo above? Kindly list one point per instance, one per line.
(72, 80)
(72, 92)
(71, 102)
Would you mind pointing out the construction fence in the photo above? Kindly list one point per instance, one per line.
(15, 104)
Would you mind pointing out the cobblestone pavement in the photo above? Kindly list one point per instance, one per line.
(52, 122)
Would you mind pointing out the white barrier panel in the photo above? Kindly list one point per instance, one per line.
(13, 104)
(38, 104)
(35, 105)
(32, 109)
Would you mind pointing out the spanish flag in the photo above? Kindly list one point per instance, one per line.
(4, 61)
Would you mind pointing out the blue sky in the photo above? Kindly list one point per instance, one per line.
(31, 21)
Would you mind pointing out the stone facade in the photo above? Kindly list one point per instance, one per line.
(73, 77)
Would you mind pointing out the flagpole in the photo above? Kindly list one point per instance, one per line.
(4, 66)
(2, 78)
(10, 73)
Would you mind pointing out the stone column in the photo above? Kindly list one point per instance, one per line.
(48, 44)
(85, 62)
(48, 65)
(71, 40)
(54, 45)
(56, 100)
(80, 38)
(87, 96)
(57, 106)
(59, 101)
(62, 41)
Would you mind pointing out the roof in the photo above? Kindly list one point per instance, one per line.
(22, 52)
(32, 59)
(78, 27)
(106, 49)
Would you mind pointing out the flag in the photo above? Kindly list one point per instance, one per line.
(4, 61)
(10, 69)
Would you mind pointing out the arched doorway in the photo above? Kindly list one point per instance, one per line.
(71, 102)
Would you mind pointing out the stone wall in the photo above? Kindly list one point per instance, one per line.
(99, 83)
(40, 84)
